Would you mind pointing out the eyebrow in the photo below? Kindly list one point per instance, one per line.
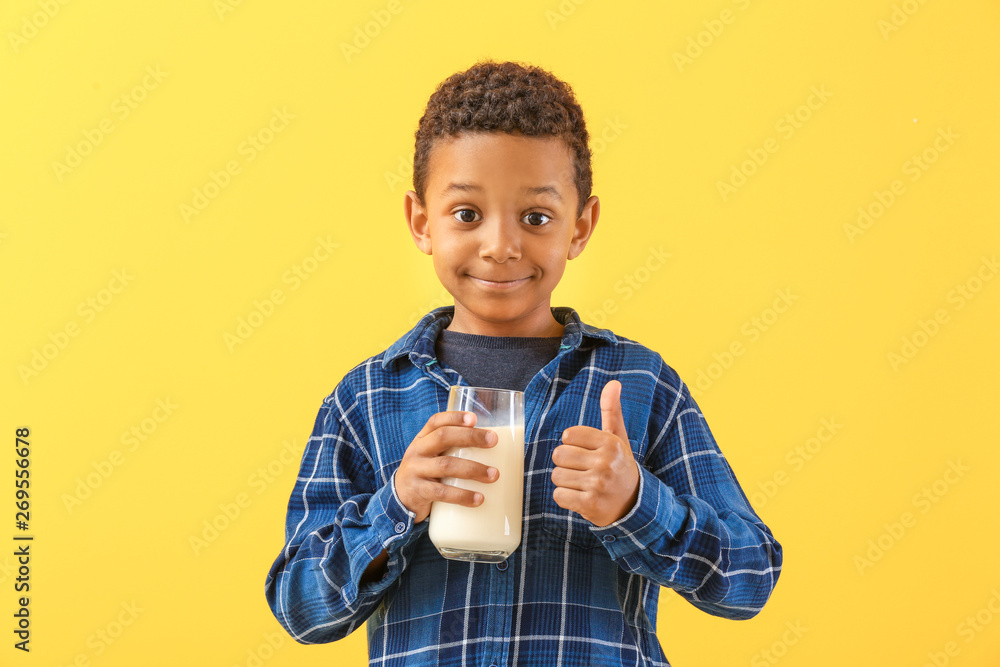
(537, 190)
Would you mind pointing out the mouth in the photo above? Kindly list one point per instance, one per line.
(500, 284)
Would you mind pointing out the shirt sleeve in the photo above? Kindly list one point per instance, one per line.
(339, 520)
(692, 528)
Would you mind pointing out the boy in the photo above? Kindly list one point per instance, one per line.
(625, 487)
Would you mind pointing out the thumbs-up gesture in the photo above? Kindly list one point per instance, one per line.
(595, 473)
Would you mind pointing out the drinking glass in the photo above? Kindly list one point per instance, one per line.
(490, 532)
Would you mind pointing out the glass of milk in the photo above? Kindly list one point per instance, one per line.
(490, 532)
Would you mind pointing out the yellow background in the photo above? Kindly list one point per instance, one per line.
(671, 130)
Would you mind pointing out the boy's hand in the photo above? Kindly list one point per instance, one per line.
(596, 474)
(418, 478)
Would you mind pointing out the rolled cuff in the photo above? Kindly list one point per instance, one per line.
(393, 529)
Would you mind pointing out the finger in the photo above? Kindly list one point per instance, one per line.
(439, 419)
(569, 499)
(564, 478)
(573, 457)
(450, 435)
(445, 493)
(612, 419)
(440, 467)
(586, 437)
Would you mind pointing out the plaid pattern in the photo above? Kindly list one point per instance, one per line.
(572, 593)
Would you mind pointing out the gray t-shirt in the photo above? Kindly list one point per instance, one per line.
(502, 362)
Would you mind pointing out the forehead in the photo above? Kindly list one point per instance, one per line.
(496, 160)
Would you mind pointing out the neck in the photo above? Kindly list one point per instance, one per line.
(542, 327)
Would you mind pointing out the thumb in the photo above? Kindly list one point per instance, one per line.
(612, 419)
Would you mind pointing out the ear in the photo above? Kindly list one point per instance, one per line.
(584, 226)
(416, 220)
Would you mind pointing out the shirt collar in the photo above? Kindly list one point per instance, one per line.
(419, 341)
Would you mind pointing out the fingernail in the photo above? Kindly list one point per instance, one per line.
(478, 498)
(467, 418)
(492, 472)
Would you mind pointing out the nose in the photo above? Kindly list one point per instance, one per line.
(501, 240)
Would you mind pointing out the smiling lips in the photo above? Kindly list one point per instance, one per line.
(504, 284)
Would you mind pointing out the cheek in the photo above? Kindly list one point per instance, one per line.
(442, 266)
(555, 263)
(450, 256)
(554, 275)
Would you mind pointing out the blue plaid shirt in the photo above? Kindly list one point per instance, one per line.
(572, 593)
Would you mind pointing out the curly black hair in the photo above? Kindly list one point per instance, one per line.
(508, 97)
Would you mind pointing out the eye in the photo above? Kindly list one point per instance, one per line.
(537, 213)
(462, 215)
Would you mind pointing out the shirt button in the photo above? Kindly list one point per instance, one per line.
(609, 538)
(502, 566)
(400, 527)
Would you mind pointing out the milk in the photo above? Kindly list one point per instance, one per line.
(491, 531)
